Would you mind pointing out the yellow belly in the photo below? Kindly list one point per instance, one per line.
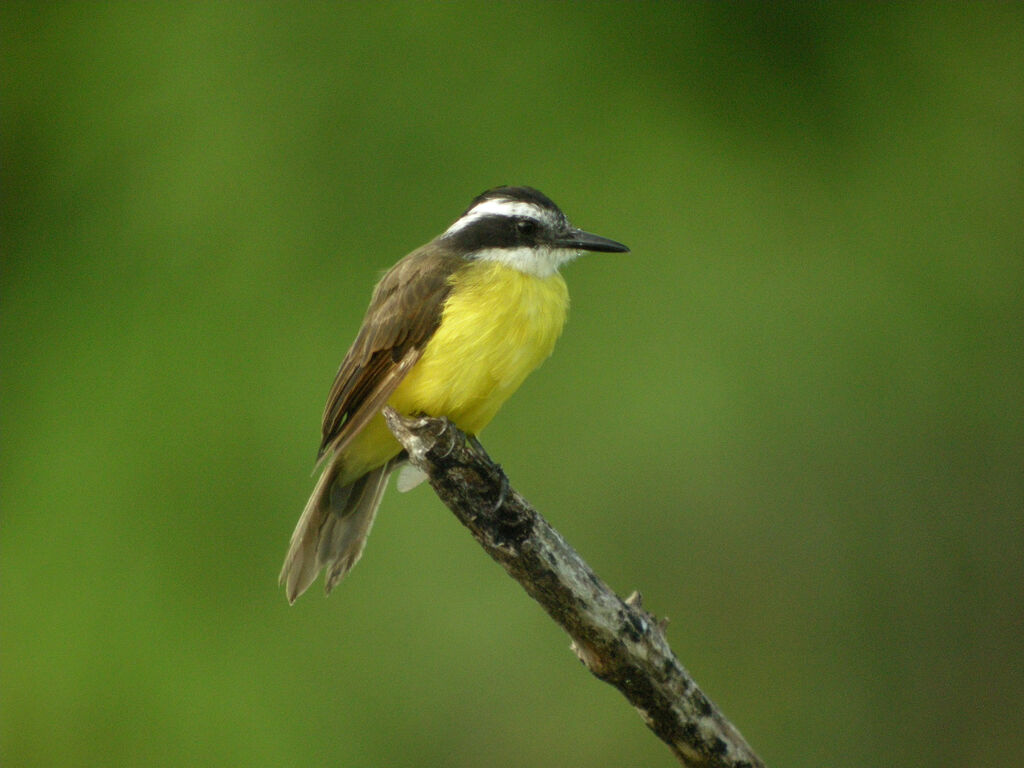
(498, 325)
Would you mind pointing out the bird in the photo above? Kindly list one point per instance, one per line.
(452, 330)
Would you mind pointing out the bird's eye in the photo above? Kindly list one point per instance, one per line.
(526, 226)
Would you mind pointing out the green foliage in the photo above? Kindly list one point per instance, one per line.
(792, 416)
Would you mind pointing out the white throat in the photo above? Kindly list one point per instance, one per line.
(537, 261)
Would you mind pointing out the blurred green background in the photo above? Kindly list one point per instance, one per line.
(793, 416)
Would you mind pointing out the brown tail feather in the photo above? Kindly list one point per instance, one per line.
(333, 528)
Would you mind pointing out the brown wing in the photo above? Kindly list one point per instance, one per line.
(403, 314)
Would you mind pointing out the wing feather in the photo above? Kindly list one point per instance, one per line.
(404, 313)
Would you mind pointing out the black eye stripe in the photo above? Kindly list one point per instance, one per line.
(498, 232)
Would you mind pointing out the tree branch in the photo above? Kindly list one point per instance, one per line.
(616, 639)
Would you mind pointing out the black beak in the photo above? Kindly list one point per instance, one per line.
(577, 238)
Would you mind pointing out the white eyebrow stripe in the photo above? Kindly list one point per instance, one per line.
(497, 207)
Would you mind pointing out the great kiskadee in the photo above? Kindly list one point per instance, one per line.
(452, 330)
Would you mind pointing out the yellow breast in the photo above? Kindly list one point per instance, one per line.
(498, 324)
